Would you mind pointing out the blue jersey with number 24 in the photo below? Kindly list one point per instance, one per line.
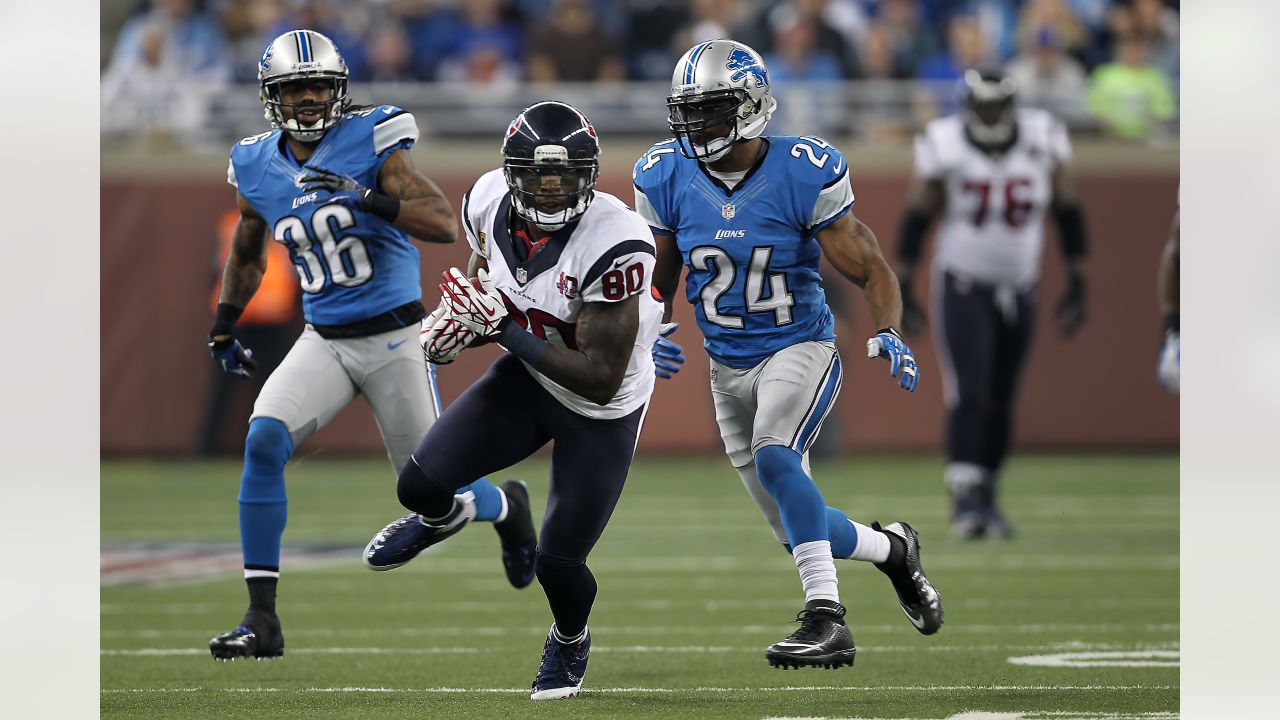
(753, 261)
(352, 265)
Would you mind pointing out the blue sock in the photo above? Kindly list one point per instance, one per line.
(841, 534)
(800, 503)
(488, 499)
(263, 504)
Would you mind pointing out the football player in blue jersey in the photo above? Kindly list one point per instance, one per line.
(750, 216)
(338, 187)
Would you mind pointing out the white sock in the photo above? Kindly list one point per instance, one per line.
(817, 570)
(873, 546)
(463, 511)
(502, 514)
(555, 633)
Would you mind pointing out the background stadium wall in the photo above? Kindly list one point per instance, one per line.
(1097, 392)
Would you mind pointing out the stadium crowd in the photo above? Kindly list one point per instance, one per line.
(1110, 63)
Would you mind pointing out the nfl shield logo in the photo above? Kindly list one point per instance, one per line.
(727, 211)
(521, 276)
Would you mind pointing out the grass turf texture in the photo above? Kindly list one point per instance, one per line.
(686, 564)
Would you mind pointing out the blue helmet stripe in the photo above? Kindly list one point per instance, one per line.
(304, 47)
(692, 67)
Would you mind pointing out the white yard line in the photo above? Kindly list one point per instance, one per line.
(668, 691)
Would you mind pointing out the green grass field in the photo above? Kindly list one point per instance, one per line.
(692, 588)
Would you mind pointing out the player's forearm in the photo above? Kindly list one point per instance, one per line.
(595, 379)
(240, 280)
(428, 218)
(884, 295)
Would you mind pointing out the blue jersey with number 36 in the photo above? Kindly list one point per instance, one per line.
(752, 257)
(352, 265)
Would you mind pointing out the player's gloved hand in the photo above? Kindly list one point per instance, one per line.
(233, 357)
(889, 344)
(1071, 311)
(1170, 361)
(342, 190)
(914, 319)
(442, 337)
(474, 302)
(668, 356)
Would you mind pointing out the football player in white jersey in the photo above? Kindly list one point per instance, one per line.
(751, 216)
(562, 276)
(337, 186)
(989, 174)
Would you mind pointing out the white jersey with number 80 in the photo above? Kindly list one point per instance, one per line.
(607, 256)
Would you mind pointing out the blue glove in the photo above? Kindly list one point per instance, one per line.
(233, 357)
(668, 356)
(889, 344)
(342, 190)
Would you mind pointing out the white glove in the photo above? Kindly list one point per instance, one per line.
(477, 304)
(1170, 361)
(442, 337)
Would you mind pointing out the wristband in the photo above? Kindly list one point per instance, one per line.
(890, 331)
(224, 320)
(383, 206)
(520, 342)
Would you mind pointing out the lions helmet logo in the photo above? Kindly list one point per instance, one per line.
(265, 62)
(743, 64)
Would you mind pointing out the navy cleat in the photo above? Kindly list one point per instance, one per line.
(995, 524)
(402, 540)
(258, 636)
(918, 597)
(516, 533)
(822, 640)
(562, 668)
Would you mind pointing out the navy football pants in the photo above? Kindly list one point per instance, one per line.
(504, 418)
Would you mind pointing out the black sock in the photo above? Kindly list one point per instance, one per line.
(262, 593)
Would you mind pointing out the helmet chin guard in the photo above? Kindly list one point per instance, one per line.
(717, 84)
(989, 90)
(300, 55)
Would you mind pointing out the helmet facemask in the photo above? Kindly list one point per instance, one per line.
(551, 190)
(692, 117)
(331, 109)
(989, 116)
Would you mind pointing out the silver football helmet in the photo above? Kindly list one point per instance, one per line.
(302, 55)
(718, 82)
(988, 96)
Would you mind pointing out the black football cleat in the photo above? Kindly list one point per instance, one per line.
(918, 597)
(561, 669)
(257, 636)
(822, 640)
(994, 523)
(402, 540)
(516, 533)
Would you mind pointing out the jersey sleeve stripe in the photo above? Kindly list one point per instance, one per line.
(821, 224)
(394, 129)
(466, 211)
(626, 247)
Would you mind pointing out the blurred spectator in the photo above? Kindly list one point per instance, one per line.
(572, 45)
(1057, 17)
(1050, 79)
(432, 26)
(193, 42)
(1130, 96)
(913, 41)
(390, 57)
(150, 95)
(826, 39)
(998, 20)
(882, 111)
(486, 49)
(346, 24)
(248, 24)
(650, 55)
(1159, 25)
(710, 20)
(877, 57)
(797, 58)
(966, 47)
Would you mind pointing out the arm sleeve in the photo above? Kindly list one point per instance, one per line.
(398, 129)
(834, 200)
(468, 228)
(231, 174)
(650, 213)
(928, 157)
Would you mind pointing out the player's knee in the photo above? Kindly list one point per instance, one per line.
(775, 463)
(551, 567)
(268, 445)
(420, 493)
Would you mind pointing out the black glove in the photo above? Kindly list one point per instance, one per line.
(346, 191)
(1071, 311)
